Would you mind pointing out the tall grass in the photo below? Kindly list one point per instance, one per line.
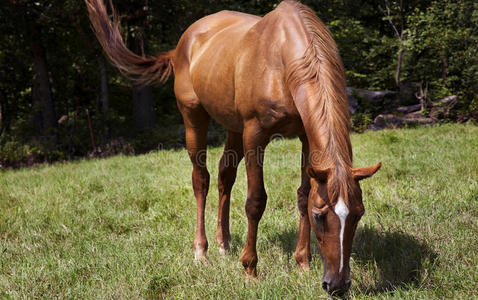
(123, 227)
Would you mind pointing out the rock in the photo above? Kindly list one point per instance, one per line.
(447, 100)
(408, 109)
(375, 97)
(443, 108)
(418, 120)
(353, 104)
(387, 121)
(392, 121)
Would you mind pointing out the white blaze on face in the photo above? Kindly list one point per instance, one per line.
(342, 211)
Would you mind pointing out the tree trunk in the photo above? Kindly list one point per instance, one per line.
(104, 98)
(43, 110)
(142, 98)
(398, 71)
(143, 112)
(104, 93)
(2, 119)
(444, 67)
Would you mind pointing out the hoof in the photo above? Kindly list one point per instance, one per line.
(251, 277)
(222, 244)
(223, 249)
(200, 256)
(304, 267)
(249, 262)
(251, 272)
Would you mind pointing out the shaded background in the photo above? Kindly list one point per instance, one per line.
(60, 99)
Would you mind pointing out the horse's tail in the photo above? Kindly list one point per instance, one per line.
(140, 69)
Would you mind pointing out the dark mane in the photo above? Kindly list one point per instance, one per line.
(322, 67)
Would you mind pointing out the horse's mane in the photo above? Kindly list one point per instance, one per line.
(322, 67)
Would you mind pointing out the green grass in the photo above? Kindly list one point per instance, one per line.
(123, 227)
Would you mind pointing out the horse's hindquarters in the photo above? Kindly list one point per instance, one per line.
(206, 58)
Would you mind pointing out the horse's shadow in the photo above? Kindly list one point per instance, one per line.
(393, 259)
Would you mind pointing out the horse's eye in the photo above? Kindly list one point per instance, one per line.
(319, 217)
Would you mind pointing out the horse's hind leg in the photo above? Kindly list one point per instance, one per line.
(302, 251)
(196, 121)
(233, 153)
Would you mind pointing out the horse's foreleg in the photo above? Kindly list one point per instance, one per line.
(233, 153)
(302, 251)
(196, 122)
(254, 145)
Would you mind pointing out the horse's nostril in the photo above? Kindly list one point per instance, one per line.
(325, 285)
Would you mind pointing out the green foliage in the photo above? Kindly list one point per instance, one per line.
(360, 121)
(442, 49)
(17, 153)
(366, 54)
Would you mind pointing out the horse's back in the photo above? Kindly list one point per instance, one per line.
(210, 31)
(232, 64)
(204, 62)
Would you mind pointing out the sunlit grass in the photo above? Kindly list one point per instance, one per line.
(123, 227)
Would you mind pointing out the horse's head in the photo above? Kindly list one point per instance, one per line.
(335, 208)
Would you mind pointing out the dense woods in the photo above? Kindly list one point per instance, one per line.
(61, 99)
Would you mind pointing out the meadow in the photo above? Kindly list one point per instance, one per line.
(123, 227)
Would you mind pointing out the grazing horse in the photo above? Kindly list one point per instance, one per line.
(258, 77)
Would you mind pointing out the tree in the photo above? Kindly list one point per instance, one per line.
(43, 111)
(400, 33)
(142, 97)
(442, 47)
(28, 22)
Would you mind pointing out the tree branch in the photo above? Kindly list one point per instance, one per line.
(389, 18)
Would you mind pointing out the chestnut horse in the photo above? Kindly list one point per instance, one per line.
(258, 77)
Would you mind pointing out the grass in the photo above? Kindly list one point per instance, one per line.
(123, 227)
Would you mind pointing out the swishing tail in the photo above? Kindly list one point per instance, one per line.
(141, 70)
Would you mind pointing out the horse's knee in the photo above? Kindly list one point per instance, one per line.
(200, 179)
(256, 204)
(200, 175)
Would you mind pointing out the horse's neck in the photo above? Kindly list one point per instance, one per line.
(325, 151)
(328, 137)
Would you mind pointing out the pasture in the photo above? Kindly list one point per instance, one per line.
(123, 227)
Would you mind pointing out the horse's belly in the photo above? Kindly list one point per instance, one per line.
(224, 114)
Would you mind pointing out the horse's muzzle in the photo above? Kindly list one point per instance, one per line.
(336, 288)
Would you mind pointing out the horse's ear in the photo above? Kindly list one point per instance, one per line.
(362, 173)
(320, 175)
